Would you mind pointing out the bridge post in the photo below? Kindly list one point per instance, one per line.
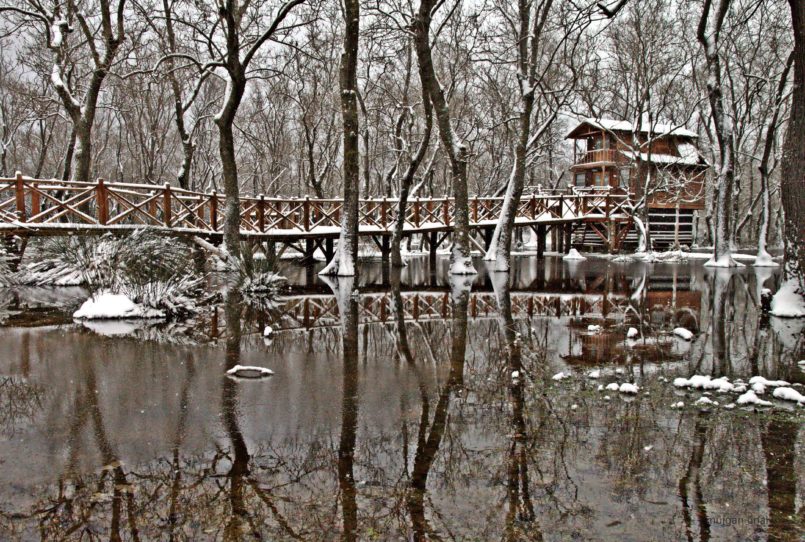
(417, 205)
(446, 211)
(328, 249)
(19, 193)
(568, 236)
(488, 233)
(475, 209)
(306, 214)
(432, 246)
(261, 213)
(560, 238)
(103, 202)
(214, 210)
(384, 210)
(36, 204)
(385, 249)
(541, 241)
(166, 205)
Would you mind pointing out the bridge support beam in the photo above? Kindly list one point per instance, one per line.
(433, 244)
(541, 234)
(568, 237)
(488, 233)
(559, 238)
(385, 250)
(329, 251)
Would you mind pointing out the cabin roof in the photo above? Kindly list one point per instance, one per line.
(612, 125)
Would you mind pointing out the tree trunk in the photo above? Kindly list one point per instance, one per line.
(722, 255)
(226, 148)
(343, 263)
(792, 185)
(461, 259)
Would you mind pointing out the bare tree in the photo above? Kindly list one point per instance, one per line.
(461, 259)
(725, 169)
(343, 262)
(541, 53)
(103, 33)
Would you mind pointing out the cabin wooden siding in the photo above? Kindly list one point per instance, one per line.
(606, 162)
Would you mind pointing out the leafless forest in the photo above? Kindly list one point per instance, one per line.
(404, 99)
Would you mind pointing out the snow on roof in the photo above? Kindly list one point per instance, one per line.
(687, 157)
(626, 126)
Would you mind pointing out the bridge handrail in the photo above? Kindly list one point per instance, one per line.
(101, 203)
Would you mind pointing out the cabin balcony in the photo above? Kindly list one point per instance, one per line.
(595, 158)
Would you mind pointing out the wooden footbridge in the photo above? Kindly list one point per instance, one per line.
(38, 207)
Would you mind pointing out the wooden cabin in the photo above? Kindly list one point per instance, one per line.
(613, 155)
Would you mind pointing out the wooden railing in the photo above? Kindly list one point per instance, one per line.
(41, 204)
(598, 155)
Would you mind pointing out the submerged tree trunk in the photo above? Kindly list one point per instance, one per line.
(408, 177)
(722, 255)
(791, 296)
(345, 258)
(763, 257)
(461, 258)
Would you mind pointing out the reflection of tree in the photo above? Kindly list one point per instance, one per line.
(779, 449)
(348, 309)
(520, 507)
(429, 440)
(239, 519)
(718, 320)
(694, 504)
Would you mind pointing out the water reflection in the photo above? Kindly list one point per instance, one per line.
(419, 411)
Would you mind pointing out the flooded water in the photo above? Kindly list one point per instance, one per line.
(407, 408)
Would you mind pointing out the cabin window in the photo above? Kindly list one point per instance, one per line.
(581, 179)
(623, 177)
(598, 178)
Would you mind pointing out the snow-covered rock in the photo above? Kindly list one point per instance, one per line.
(683, 333)
(705, 401)
(560, 376)
(627, 387)
(613, 386)
(750, 398)
(594, 374)
(573, 255)
(678, 405)
(632, 333)
(594, 328)
(106, 305)
(268, 331)
(705, 382)
(788, 302)
(515, 375)
(249, 371)
(789, 394)
(766, 382)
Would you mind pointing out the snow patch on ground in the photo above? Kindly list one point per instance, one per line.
(106, 305)
(561, 376)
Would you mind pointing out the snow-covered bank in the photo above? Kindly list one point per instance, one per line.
(106, 305)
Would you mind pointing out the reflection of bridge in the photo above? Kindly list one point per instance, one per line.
(321, 311)
(54, 207)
